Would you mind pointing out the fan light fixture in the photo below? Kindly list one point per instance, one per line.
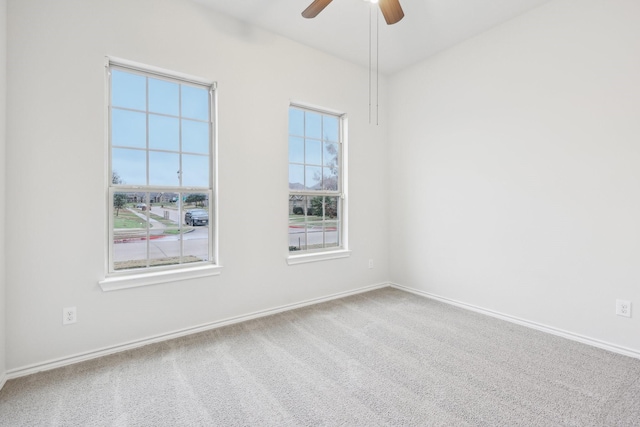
(391, 9)
(392, 12)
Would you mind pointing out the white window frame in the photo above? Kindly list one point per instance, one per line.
(342, 250)
(122, 279)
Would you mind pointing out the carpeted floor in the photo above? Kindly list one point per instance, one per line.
(383, 358)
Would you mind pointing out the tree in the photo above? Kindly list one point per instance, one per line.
(328, 179)
(115, 178)
(196, 198)
(119, 200)
(316, 206)
(331, 207)
(326, 206)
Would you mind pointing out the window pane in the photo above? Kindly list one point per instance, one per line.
(195, 209)
(298, 206)
(130, 165)
(330, 128)
(195, 103)
(196, 245)
(329, 180)
(163, 97)
(313, 178)
(128, 90)
(297, 237)
(164, 133)
(164, 209)
(129, 230)
(330, 154)
(313, 152)
(313, 125)
(129, 212)
(296, 177)
(315, 206)
(296, 150)
(129, 253)
(128, 128)
(195, 171)
(331, 234)
(331, 211)
(163, 249)
(195, 136)
(163, 168)
(195, 200)
(315, 235)
(296, 122)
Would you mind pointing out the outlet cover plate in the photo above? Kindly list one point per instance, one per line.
(68, 315)
(623, 308)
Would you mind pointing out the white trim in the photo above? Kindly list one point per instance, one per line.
(215, 243)
(114, 283)
(317, 256)
(317, 108)
(108, 174)
(344, 181)
(3, 381)
(162, 72)
(81, 357)
(523, 322)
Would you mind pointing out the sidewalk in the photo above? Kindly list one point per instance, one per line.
(156, 226)
(125, 235)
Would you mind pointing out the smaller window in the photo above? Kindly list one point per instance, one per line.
(317, 196)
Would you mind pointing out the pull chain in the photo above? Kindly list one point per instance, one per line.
(370, 12)
(377, 63)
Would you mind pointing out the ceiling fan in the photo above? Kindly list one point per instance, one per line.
(391, 9)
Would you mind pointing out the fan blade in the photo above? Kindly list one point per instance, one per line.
(391, 10)
(315, 8)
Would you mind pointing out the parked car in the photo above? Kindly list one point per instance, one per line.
(196, 217)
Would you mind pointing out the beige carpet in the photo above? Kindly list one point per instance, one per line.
(383, 358)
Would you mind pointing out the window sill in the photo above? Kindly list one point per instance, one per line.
(115, 283)
(317, 256)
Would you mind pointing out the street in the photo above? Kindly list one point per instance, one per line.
(193, 245)
(314, 237)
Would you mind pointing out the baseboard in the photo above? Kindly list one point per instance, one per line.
(3, 380)
(81, 357)
(523, 322)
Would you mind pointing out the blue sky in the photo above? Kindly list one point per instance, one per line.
(313, 139)
(178, 131)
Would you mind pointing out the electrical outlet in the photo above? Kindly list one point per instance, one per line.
(69, 315)
(370, 263)
(623, 308)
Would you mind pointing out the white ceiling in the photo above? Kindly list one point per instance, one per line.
(342, 29)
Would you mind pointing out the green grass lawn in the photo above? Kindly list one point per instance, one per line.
(127, 219)
(301, 218)
(161, 220)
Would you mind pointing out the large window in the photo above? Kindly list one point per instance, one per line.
(161, 175)
(316, 180)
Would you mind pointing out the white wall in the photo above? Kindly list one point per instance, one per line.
(515, 169)
(56, 170)
(3, 136)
